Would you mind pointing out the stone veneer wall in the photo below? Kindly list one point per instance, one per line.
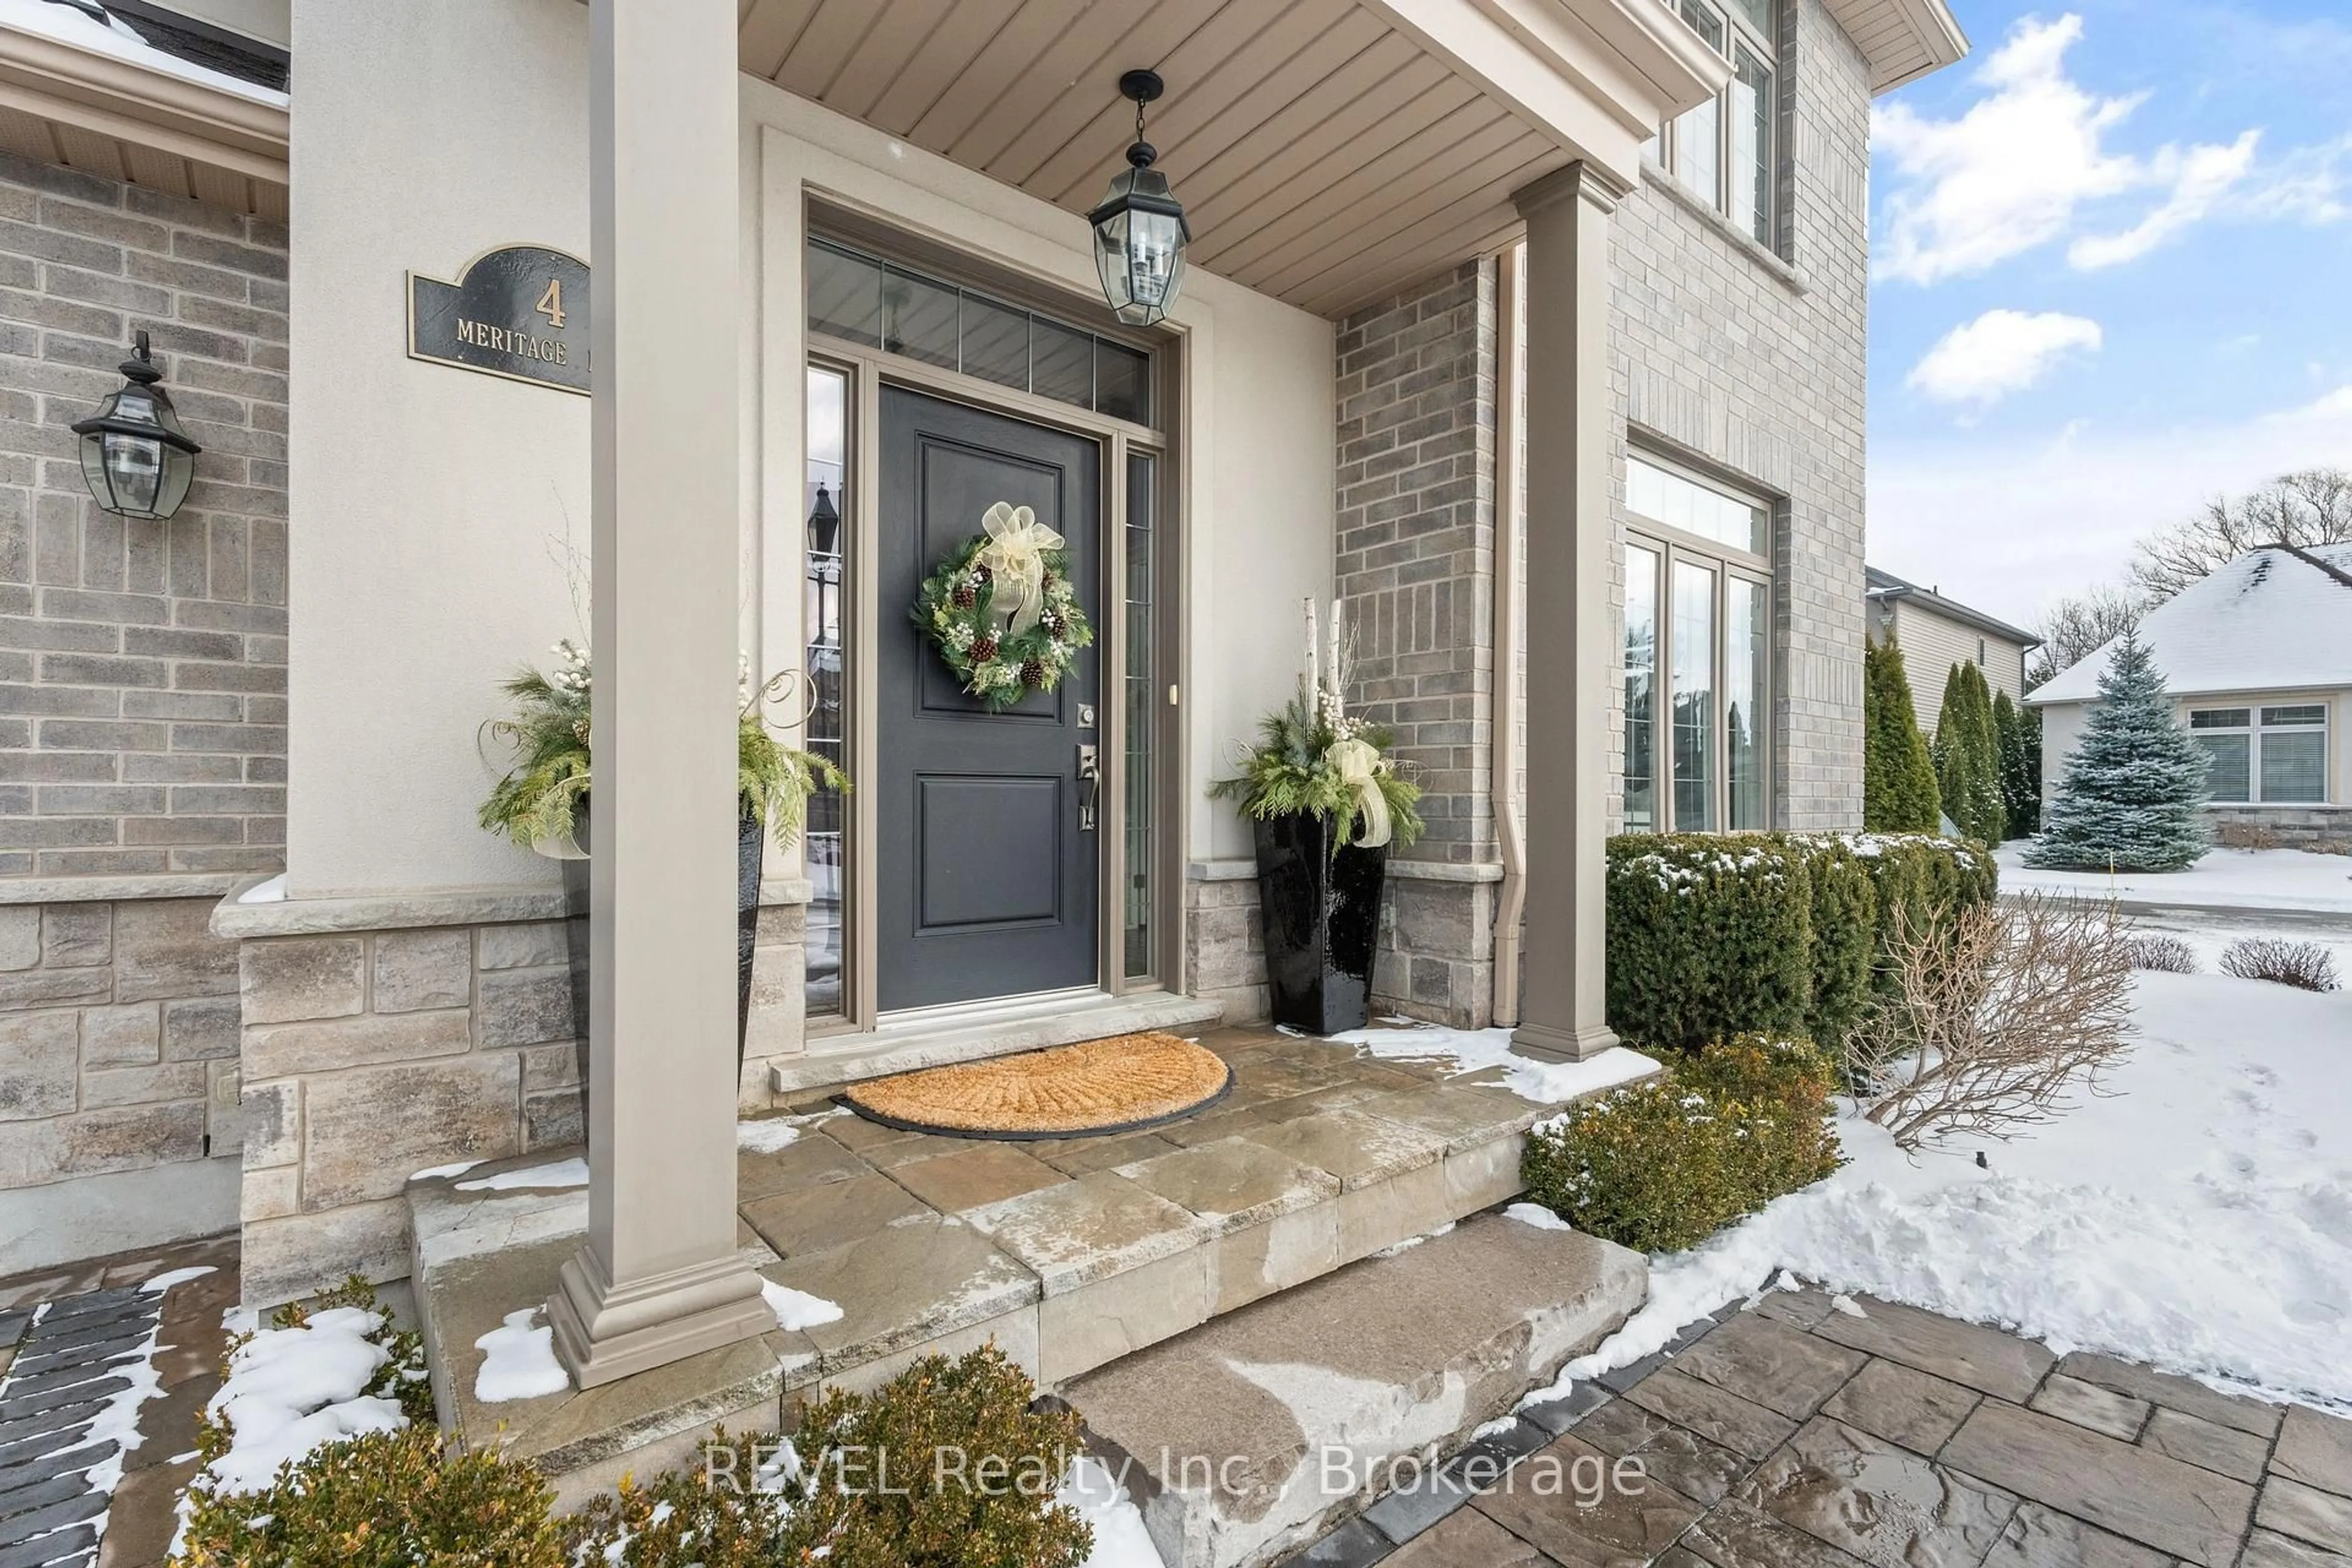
(2326, 829)
(117, 1039)
(415, 1033)
(370, 1055)
(1224, 945)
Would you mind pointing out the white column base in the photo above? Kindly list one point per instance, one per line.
(603, 1331)
(1549, 1044)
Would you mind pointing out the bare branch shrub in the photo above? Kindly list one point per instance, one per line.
(2165, 954)
(1995, 1018)
(2306, 966)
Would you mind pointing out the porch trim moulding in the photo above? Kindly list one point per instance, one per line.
(170, 114)
(394, 911)
(1929, 24)
(1597, 76)
(122, 889)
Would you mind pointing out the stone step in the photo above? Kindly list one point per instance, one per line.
(1250, 1435)
(940, 1037)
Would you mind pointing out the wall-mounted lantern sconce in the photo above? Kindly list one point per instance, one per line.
(134, 456)
(1139, 228)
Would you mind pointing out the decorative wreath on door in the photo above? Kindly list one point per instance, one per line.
(1002, 609)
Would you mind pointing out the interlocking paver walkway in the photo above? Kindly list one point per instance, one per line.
(1798, 1435)
(69, 1342)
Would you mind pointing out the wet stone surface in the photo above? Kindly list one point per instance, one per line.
(1788, 1434)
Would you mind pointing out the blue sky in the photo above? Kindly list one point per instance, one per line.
(2112, 275)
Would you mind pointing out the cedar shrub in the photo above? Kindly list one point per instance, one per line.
(1898, 788)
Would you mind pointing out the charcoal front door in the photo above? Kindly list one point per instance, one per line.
(988, 848)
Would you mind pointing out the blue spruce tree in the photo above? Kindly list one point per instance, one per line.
(2133, 794)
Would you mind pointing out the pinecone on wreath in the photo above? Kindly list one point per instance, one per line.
(963, 598)
(1055, 625)
(983, 651)
(1032, 674)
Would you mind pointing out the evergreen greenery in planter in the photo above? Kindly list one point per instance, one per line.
(2133, 796)
(539, 801)
(1325, 801)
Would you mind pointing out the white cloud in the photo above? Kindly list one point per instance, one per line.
(2016, 169)
(2200, 178)
(2001, 351)
(2010, 525)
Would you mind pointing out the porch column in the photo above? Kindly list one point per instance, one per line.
(659, 1277)
(1572, 658)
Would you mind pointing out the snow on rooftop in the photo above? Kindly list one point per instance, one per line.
(2266, 622)
(68, 25)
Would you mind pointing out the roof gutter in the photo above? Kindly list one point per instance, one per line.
(82, 94)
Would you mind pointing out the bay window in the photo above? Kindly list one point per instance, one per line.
(2273, 755)
(1697, 652)
(1725, 150)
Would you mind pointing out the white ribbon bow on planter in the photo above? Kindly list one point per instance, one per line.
(1359, 766)
(1015, 558)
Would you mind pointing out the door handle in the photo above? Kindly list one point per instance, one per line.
(1090, 775)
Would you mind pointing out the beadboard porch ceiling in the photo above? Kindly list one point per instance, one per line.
(1328, 151)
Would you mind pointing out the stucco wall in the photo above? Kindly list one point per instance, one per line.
(436, 503)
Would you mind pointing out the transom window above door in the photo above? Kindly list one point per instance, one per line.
(1697, 656)
(879, 304)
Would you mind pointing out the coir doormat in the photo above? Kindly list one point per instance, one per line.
(1118, 1084)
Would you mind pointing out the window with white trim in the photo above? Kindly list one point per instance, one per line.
(2265, 756)
(1725, 150)
(1697, 655)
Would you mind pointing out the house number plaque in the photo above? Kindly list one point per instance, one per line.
(520, 311)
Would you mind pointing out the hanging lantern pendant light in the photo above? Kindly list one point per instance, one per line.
(135, 457)
(1139, 228)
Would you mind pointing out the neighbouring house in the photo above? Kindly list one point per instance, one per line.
(1936, 633)
(2258, 658)
(1532, 330)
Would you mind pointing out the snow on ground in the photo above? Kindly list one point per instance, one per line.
(2199, 1216)
(2225, 878)
(797, 1309)
(1470, 1050)
(572, 1173)
(768, 1137)
(289, 1390)
(164, 1282)
(1121, 1540)
(519, 1361)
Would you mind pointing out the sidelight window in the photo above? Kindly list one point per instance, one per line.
(825, 505)
(1697, 657)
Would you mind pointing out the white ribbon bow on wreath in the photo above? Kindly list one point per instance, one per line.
(1015, 558)
(1359, 766)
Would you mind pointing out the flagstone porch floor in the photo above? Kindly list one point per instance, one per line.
(1067, 1254)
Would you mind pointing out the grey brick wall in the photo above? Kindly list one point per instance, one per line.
(1415, 536)
(1754, 367)
(142, 665)
(118, 1038)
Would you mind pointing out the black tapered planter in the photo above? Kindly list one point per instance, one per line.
(750, 845)
(1322, 919)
